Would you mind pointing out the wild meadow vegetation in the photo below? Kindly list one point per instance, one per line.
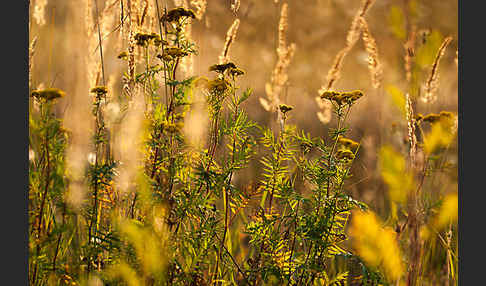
(160, 153)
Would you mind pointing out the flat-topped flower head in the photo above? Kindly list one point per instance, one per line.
(221, 68)
(48, 93)
(158, 41)
(344, 154)
(123, 55)
(431, 118)
(348, 143)
(341, 98)
(355, 95)
(218, 85)
(447, 114)
(419, 117)
(175, 52)
(141, 39)
(284, 108)
(99, 90)
(352, 96)
(236, 71)
(329, 94)
(144, 39)
(177, 13)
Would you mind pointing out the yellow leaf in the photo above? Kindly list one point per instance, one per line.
(448, 211)
(394, 173)
(397, 22)
(376, 245)
(397, 96)
(440, 136)
(426, 53)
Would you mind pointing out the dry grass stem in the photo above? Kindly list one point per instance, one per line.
(200, 6)
(410, 52)
(31, 59)
(432, 82)
(39, 12)
(353, 35)
(279, 78)
(230, 38)
(374, 64)
(412, 139)
(235, 6)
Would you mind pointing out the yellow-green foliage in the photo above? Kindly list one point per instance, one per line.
(396, 19)
(397, 97)
(426, 53)
(395, 174)
(447, 212)
(442, 133)
(173, 174)
(376, 244)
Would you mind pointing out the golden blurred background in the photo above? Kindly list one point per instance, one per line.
(317, 27)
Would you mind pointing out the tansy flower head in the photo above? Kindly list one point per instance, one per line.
(165, 57)
(431, 118)
(284, 108)
(446, 114)
(142, 39)
(175, 14)
(236, 71)
(99, 90)
(48, 93)
(348, 143)
(123, 55)
(175, 52)
(356, 94)
(344, 154)
(341, 98)
(158, 41)
(218, 85)
(419, 117)
(221, 68)
(330, 95)
(350, 97)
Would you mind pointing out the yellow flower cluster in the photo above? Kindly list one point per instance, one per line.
(229, 67)
(218, 85)
(48, 93)
(341, 98)
(143, 39)
(348, 143)
(344, 154)
(284, 108)
(123, 55)
(171, 53)
(177, 13)
(99, 90)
